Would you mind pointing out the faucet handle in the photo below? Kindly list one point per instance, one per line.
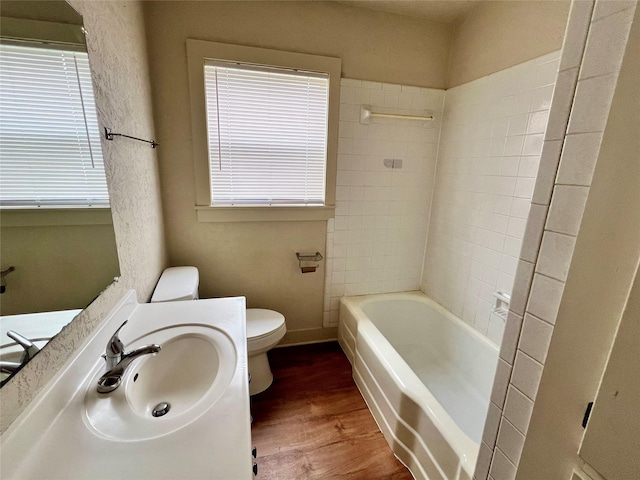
(115, 348)
(29, 348)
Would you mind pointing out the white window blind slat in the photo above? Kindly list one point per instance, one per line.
(267, 131)
(49, 136)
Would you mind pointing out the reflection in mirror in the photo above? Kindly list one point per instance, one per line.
(58, 246)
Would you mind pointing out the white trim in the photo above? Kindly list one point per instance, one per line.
(264, 214)
(197, 52)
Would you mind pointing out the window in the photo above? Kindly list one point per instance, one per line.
(50, 152)
(265, 132)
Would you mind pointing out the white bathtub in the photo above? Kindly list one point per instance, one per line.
(426, 377)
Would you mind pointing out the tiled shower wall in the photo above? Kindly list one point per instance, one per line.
(376, 241)
(582, 98)
(490, 147)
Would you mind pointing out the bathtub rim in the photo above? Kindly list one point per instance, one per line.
(406, 379)
(362, 300)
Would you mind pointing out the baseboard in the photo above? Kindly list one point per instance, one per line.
(309, 335)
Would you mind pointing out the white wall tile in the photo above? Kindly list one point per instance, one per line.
(609, 7)
(546, 73)
(528, 168)
(567, 207)
(379, 210)
(510, 441)
(483, 463)
(484, 186)
(535, 338)
(606, 44)
(517, 409)
(524, 189)
(541, 98)
(544, 300)
(347, 82)
(500, 383)
(588, 115)
(516, 227)
(555, 255)
(510, 338)
(537, 122)
(501, 467)
(491, 425)
(547, 170)
(578, 160)
(533, 233)
(513, 145)
(591, 105)
(526, 375)
(576, 33)
(533, 144)
(562, 101)
(521, 286)
(496, 328)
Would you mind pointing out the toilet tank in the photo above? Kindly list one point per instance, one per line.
(177, 283)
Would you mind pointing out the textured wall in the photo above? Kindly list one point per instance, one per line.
(496, 35)
(117, 51)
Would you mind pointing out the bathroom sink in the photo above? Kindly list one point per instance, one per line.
(165, 392)
(73, 432)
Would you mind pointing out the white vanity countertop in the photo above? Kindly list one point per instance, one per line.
(53, 439)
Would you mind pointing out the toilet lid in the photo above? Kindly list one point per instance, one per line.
(261, 322)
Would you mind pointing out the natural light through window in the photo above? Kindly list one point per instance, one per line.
(50, 151)
(267, 135)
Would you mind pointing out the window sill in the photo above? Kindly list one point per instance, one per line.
(50, 216)
(264, 214)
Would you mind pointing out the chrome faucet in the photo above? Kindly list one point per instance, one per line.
(30, 351)
(118, 361)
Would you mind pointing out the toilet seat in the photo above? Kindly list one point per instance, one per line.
(264, 328)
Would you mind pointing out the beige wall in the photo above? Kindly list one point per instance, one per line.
(600, 277)
(257, 259)
(117, 51)
(42, 10)
(372, 45)
(58, 267)
(499, 34)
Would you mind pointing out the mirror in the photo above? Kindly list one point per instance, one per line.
(56, 256)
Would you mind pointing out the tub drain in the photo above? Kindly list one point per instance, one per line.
(161, 409)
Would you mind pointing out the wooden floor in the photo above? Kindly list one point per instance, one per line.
(312, 423)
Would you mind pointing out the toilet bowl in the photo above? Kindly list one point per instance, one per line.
(265, 328)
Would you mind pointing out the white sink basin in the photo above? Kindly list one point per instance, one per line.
(72, 432)
(190, 373)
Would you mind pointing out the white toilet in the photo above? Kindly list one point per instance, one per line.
(265, 328)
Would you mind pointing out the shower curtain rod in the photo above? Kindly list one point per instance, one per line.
(366, 113)
(398, 115)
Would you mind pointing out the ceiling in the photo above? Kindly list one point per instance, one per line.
(438, 10)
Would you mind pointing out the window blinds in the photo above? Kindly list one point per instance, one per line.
(49, 138)
(267, 132)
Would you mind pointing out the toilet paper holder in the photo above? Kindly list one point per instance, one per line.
(308, 261)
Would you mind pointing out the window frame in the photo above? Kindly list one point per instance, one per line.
(197, 52)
